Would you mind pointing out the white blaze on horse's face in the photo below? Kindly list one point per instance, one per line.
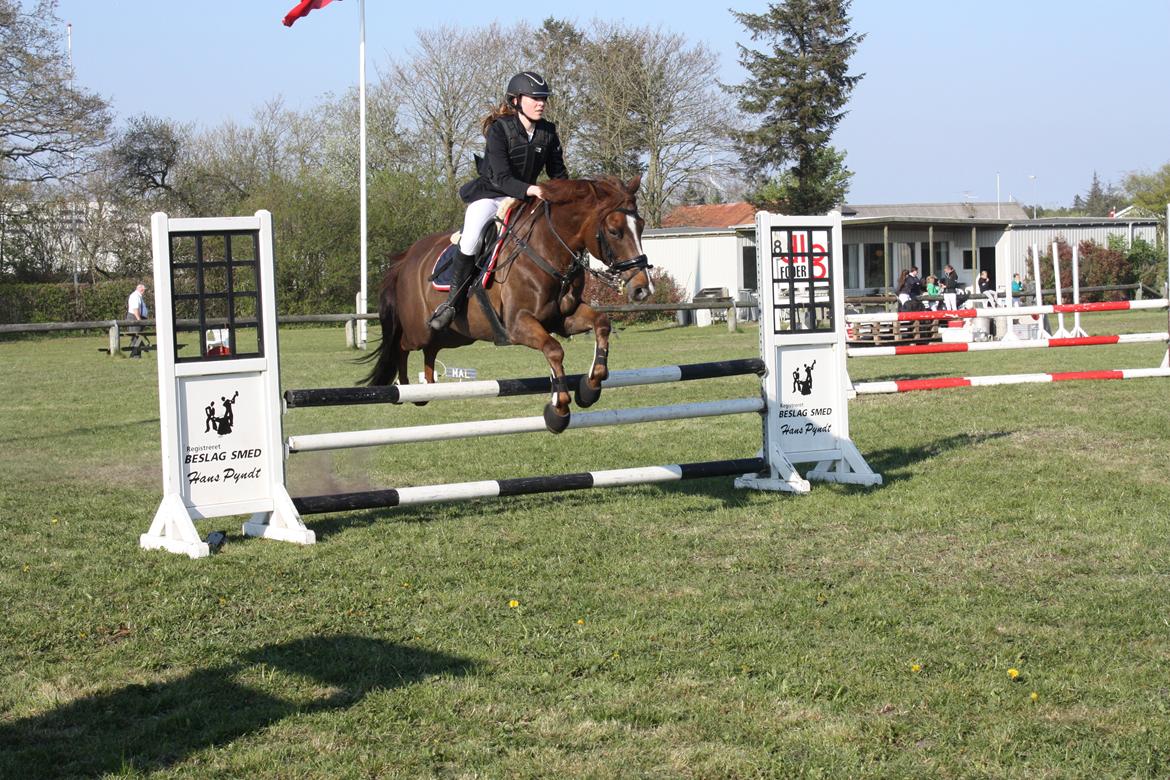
(633, 223)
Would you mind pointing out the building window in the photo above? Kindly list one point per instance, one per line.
(748, 263)
(875, 266)
(942, 256)
(852, 266)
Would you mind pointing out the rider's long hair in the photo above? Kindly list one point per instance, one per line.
(502, 110)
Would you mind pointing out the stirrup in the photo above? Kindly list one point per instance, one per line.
(442, 317)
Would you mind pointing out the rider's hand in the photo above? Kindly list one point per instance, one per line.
(535, 192)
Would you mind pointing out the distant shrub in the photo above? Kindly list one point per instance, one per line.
(666, 290)
(1099, 266)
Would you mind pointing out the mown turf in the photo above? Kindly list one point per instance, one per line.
(683, 630)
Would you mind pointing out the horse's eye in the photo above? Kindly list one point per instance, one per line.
(615, 233)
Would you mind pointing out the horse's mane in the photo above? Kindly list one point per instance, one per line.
(604, 189)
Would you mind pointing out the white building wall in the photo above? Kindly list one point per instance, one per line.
(696, 261)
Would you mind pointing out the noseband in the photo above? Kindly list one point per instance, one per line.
(640, 263)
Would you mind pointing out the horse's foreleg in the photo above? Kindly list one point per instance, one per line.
(589, 390)
(429, 354)
(528, 331)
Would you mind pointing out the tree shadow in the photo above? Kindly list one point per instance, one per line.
(151, 727)
(83, 430)
(897, 463)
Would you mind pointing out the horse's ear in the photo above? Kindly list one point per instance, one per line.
(632, 187)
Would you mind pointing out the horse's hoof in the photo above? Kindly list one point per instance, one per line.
(420, 403)
(556, 423)
(586, 396)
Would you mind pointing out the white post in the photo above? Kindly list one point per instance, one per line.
(1039, 290)
(361, 307)
(1076, 295)
(1060, 333)
(1166, 357)
(802, 340)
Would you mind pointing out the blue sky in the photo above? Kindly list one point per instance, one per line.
(953, 92)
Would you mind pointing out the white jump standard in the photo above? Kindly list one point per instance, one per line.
(222, 438)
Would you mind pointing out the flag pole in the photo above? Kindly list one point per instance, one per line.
(362, 305)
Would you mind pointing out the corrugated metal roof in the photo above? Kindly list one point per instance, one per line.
(1006, 212)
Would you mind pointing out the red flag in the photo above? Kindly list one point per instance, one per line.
(302, 9)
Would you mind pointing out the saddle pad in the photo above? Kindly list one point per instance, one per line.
(446, 269)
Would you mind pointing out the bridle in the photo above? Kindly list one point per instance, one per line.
(612, 275)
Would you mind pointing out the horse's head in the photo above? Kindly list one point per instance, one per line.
(610, 227)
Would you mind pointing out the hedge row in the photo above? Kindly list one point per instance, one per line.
(59, 302)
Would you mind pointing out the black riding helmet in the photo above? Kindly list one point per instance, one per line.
(527, 83)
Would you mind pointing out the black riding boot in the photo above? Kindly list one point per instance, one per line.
(464, 268)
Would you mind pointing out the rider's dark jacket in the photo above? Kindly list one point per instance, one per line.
(512, 162)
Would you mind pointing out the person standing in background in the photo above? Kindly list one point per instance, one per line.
(136, 310)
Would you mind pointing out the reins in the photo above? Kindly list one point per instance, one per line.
(579, 264)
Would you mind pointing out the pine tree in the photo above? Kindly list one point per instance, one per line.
(799, 88)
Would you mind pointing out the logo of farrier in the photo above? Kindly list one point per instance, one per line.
(226, 421)
(803, 386)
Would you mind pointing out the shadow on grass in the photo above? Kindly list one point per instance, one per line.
(151, 727)
(86, 430)
(894, 464)
(571, 503)
(897, 463)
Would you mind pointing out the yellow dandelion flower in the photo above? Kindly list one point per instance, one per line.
(513, 604)
(53, 521)
(1014, 674)
(580, 621)
(916, 667)
(1035, 696)
(26, 568)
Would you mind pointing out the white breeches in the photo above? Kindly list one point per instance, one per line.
(479, 213)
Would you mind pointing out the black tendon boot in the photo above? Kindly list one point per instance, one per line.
(464, 267)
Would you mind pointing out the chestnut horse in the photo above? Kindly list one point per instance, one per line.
(535, 289)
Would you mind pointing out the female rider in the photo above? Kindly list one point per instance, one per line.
(520, 144)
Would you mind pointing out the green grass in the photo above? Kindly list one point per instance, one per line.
(683, 630)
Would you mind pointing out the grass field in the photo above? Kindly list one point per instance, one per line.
(996, 609)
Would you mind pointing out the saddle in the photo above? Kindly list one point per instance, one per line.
(489, 249)
(491, 240)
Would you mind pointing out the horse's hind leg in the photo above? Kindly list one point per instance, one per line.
(589, 389)
(528, 331)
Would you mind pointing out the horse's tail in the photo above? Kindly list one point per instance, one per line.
(390, 347)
